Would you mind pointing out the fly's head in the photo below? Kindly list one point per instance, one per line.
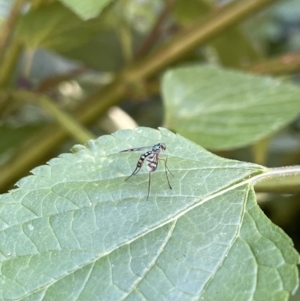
(157, 148)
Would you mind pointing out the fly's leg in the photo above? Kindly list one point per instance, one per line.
(149, 185)
(167, 170)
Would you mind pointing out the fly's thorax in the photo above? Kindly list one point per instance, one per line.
(152, 166)
(153, 157)
(152, 162)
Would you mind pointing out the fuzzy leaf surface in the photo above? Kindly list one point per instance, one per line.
(75, 230)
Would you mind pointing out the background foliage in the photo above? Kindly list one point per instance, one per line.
(74, 70)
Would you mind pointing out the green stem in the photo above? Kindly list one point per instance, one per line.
(279, 180)
(8, 27)
(9, 63)
(67, 122)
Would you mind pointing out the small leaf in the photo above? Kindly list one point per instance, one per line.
(75, 230)
(86, 9)
(222, 109)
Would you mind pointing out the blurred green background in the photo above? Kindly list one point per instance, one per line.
(74, 70)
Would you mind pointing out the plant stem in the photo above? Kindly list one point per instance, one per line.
(9, 26)
(279, 180)
(75, 129)
(155, 32)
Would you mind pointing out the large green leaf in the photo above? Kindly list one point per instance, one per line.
(57, 28)
(94, 42)
(75, 230)
(86, 9)
(223, 109)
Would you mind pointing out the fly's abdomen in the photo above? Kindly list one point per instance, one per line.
(142, 158)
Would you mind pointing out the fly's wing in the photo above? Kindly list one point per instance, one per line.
(135, 149)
